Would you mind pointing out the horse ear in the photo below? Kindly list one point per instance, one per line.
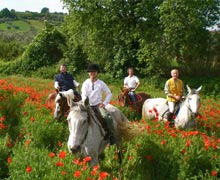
(86, 102)
(188, 89)
(199, 89)
(61, 95)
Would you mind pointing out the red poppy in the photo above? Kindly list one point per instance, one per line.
(103, 175)
(214, 173)
(63, 172)
(188, 142)
(62, 154)
(163, 142)
(32, 119)
(51, 154)
(93, 172)
(28, 169)
(87, 159)
(9, 160)
(149, 158)
(95, 168)
(77, 174)
(2, 118)
(59, 164)
(77, 161)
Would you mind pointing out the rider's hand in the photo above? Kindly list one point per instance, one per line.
(177, 97)
(101, 105)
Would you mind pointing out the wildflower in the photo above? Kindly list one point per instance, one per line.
(183, 151)
(9, 160)
(62, 154)
(130, 158)
(163, 142)
(87, 159)
(93, 172)
(63, 173)
(25, 113)
(77, 161)
(2, 118)
(2, 126)
(59, 143)
(95, 168)
(59, 164)
(27, 142)
(214, 173)
(28, 169)
(188, 143)
(102, 175)
(149, 158)
(51, 154)
(77, 174)
(32, 119)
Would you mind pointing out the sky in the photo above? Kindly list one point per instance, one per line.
(32, 5)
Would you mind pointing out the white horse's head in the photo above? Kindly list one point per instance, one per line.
(63, 101)
(193, 100)
(79, 121)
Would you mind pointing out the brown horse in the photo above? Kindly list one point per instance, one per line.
(125, 100)
(63, 105)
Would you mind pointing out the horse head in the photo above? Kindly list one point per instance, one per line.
(79, 121)
(193, 100)
(123, 96)
(63, 101)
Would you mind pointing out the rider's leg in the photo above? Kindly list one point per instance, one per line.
(132, 96)
(170, 114)
(109, 125)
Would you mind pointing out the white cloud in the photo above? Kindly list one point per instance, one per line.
(33, 5)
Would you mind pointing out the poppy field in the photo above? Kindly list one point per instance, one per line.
(33, 144)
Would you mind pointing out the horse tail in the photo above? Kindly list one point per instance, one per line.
(128, 131)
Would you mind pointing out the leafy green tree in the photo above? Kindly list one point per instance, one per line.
(45, 10)
(46, 49)
(149, 35)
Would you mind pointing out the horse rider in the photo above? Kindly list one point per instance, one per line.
(93, 89)
(65, 81)
(174, 90)
(132, 83)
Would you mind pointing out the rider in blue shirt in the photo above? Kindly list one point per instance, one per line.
(65, 81)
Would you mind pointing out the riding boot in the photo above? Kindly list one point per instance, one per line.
(110, 130)
(108, 125)
(170, 119)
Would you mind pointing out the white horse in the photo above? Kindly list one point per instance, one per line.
(87, 134)
(158, 108)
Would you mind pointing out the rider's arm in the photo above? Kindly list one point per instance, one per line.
(166, 90)
(108, 94)
(56, 85)
(76, 84)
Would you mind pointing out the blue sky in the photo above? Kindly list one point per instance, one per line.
(32, 5)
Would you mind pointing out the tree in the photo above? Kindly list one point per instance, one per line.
(149, 35)
(45, 10)
(46, 49)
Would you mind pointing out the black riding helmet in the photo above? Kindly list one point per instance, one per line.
(93, 67)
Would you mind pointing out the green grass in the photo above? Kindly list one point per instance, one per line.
(22, 26)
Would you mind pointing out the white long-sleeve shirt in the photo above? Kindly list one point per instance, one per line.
(94, 90)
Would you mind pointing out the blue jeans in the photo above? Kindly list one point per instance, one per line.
(132, 96)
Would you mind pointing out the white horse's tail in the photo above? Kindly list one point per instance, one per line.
(128, 131)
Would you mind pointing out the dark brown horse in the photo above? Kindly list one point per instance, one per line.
(62, 101)
(125, 100)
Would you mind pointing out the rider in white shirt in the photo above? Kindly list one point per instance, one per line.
(93, 89)
(132, 83)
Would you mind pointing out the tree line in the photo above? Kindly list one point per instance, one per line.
(152, 36)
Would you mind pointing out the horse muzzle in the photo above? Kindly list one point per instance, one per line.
(195, 114)
(75, 149)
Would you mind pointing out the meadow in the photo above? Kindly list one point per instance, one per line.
(33, 144)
